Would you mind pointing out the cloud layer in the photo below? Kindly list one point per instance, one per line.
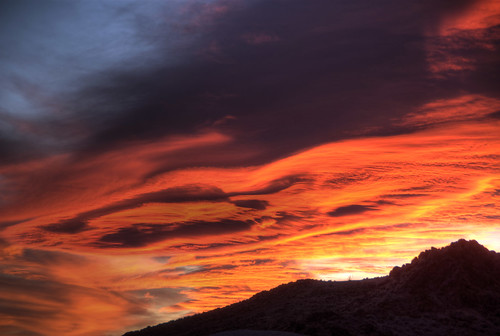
(159, 159)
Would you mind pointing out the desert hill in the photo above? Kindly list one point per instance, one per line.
(453, 290)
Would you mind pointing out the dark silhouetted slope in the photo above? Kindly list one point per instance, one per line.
(454, 290)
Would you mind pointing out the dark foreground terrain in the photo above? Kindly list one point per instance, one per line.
(454, 290)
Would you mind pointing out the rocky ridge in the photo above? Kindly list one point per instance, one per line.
(453, 290)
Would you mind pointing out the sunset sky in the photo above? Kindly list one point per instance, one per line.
(163, 158)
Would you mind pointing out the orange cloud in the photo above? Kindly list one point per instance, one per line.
(464, 38)
(193, 239)
(480, 15)
(463, 108)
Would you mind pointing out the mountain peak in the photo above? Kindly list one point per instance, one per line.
(459, 269)
(463, 250)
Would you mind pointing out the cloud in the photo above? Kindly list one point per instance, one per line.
(404, 195)
(18, 331)
(274, 186)
(144, 234)
(58, 306)
(346, 178)
(177, 123)
(45, 257)
(145, 84)
(206, 246)
(211, 268)
(182, 194)
(349, 210)
(191, 193)
(252, 204)
(258, 262)
(6, 224)
(328, 47)
(459, 109)
(159, 296)
(37, 92)
(48, 292)
(161, 259)
(71, 226)
(494, 115)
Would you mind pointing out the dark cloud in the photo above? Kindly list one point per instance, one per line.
(183, 194)
(494, 115)
(274, 186)
(6, 224)
(353, 209)
(344, 179)
(21, 308)
(417, 188)
(17, 331)
(346, 232)
(208, 246)
(206, 269)
(282, 217)
(363, 63)
(217, 155)
(70, 226)
(139, 235)
(272, 237)
(200, 289)
(252, 204)
(258, 262)
(42, 66)
(161, 259)
(384, 202)
(44, 257)
(326, 44)
(44, 290)
(404, 195)
(3, 244)
(190, 193)
(14, 150)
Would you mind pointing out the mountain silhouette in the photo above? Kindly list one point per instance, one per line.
(453, 290)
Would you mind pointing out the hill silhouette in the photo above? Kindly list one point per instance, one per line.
(453, 290)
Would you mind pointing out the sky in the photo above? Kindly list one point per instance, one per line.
(164, 158)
